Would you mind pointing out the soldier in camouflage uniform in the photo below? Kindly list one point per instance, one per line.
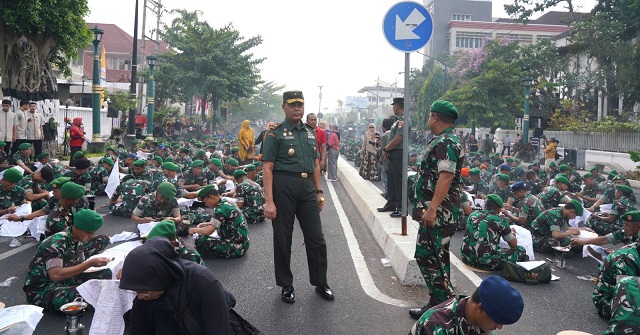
(168, 229)
(158, 205)
(441, 165)
(493, 304)
(575, 178)
(249, 196)
(552, 228)
(553, 171)
(479, 186)
(32, 190)
(597, 176)
(551, 196)
(625, 314)
(4, 158)
(22, 158)
(48, 283)
(131, 190)
(628, 234)
(100, 176)
(534, 184)
(183, 160)
(61, 216)
(529, 209)
(605, 223)
(591, 192)
(501, 188)
(230, 166)
(540, 173)
(625, 261)
(11, 195)
(254, 174)
(228, 221)
(193, 179)
(480, 246)
(81, 175)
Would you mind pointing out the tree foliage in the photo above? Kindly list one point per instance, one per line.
(264, 104)
(215, 64)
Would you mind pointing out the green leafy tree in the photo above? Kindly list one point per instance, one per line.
(264, 104)
(36, 36)
(524, 9)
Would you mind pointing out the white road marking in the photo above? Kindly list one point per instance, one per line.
(473, 277)
(366, 281)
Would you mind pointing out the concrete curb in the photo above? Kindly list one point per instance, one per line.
(385, 229)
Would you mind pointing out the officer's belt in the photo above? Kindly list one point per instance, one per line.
(302, 175)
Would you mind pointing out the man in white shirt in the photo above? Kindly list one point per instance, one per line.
(35, 128)
(506, 144)
(21, 125)
(7, 125)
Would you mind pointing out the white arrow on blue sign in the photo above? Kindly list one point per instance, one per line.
(407, 26)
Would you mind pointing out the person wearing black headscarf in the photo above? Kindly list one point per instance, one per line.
(174, 297)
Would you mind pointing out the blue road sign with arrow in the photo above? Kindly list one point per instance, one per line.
(407, 26)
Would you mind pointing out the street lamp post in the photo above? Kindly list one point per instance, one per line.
(151, 60)
(320, 97)
(526, 82)
(84, 78)
(96, 90)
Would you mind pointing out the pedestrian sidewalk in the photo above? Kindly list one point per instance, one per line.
(385, 229)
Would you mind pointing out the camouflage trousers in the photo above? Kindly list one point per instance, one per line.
(600, 226)
(96, 245)
(493, 261)
(432, 256)
(545, 244)
(625, 308)
(54, 295)
(217, 247)
(188, 253)
(38, 205)
(122, 210)
(254, 215)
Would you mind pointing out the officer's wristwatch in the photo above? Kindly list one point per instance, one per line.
(319, 191)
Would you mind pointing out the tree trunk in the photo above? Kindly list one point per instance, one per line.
(27, 74)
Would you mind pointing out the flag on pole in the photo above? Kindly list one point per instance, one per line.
(103, 74)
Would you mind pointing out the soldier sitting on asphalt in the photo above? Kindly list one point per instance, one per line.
(169, 172)
(22, 158)
(60, 262)
(534, 184)
(530, 206)
(128, 194)
(501, 189)
(11, 195)
(61, 216)
(628, 234)
(552, 196)
(233, 235)
(193, 179)
(589, 194)
(625, 314)
(249, 196)
(157, 206)
(480, 246)
(605, 223)
(625, 261)
(167, 229)
(32, 190)
(100, 176)
(493, 304)
(81, 174)
(551, 228)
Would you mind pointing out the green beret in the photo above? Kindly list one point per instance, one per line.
(474, 172)
(197, 163)
(587, 175)
(158, 159)
(594, 168)
(78, 154)
(552, 164)
(503, 177)
(109, 149)
(495, 198)
(167, 190)
(175, 146)
(169, 160)
(200, 153)
(250, 167)
(72, 190)
(12, 175)
(134, 142)
(239, 172)
(139, 163)
(510, 160)
(518, 161)
(563, 179)
(170, 166)
(217, 162)
(42, 156)
(530, 166)
(58, 182)
(211, 146)
(3, 143)
(166, 228)
(257, 163)
(235, 149)
(87, 220)
(154, 142)
(198, 144)
(563, 167)
(24, 146)
(108, 161)
(618, 177)
(232, 162)
(184, 150)
(578, 206)
(626, 190)
(205, 191)
(445, 108)
(633, 216)
(120, 145)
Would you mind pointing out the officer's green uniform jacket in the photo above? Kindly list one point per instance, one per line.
(541, 228)
(149, 206)
(447, 319)
(12, 197)
(624, 261)
(291, 148)
(480, 245)
(250, 194)
(550, 197)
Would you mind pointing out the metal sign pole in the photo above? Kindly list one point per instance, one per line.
(405, 143)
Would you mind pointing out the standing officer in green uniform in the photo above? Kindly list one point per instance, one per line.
(438, 190)
(292, 189)
(60, 262)
(393, 153)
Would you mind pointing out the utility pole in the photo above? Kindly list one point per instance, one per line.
(320, 96)
(131, 129)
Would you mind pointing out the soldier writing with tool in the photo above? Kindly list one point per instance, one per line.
(438, 189)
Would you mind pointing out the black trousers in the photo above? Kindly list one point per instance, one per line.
(7, 148)
(296, 197)
(72, 162)
(394, 178)
(16, 144)
(37, 147)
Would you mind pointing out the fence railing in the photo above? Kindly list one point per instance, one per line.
(106, 123)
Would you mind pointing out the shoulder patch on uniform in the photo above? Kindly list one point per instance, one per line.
(400, 123)
(271, 134)
(275, 126)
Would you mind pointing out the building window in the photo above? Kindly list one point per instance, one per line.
(470, 40)
(544, 37)
(118, 63)
(522, 39)
(461, 17)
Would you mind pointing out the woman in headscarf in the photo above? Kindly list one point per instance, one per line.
(77, 139)
(173, 297)
(246, 143)
(369, 154)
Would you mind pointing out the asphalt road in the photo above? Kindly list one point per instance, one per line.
(549, 308)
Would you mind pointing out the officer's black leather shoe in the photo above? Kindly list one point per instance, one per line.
(288, 294)
(416, 313)
(325, 292)
(386, 208)
(395, 214)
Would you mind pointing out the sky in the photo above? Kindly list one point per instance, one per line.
(335, 44)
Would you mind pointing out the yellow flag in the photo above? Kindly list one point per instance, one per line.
(103, 74)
